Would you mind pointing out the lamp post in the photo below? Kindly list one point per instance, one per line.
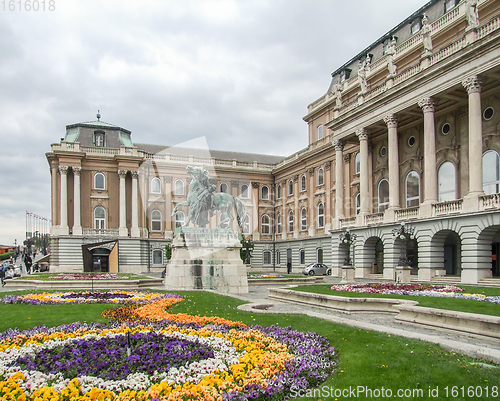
(347, 238)
(405, 234)
(248, 250)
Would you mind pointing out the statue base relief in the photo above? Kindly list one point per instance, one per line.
(402, 274)
(206, 259)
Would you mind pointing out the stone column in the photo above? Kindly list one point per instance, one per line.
(123, 231)
(255, 214)
(393, 157)
(53, 178)
(296, 213)
(430, 171)
(63, 226)
(473, 87)
(339, 181)
(362, 134)
(134, 230)
(169, 219)
(310, 192)
(328, 196)
(77, 223)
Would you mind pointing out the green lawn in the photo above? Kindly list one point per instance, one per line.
(461, 305)
(365, 358)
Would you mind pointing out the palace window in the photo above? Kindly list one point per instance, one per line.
(264, 192)
(155, 186)
(245, 193)
(157, 257)
(321, 215)
(358, 203)
(383, 195)
(290, 187)
(99, 218)
(491, 173)
(303, 183)
(357, 163)
(321, 176)
(302, 257)
(224, 188)
(99, 139)
(265, 224)
(267, 257)
(279, 223)
(246, 224)
(303, 219)
(290, 221)
(412, 189)
(156, 220)
(180, 218)
(416, 25)
(278, 191)
(319, 255)
(319, 132)
(446, 182)
(278, 257)
(179, 187)
(449, 4)
(99, 181)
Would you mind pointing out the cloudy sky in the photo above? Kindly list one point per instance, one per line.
(238, 72)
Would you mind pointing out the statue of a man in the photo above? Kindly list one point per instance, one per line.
(362, 77)
(426, 35)
(336, 91)
(472, 13)
(391, 51)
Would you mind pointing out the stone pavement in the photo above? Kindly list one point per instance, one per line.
(482, 347)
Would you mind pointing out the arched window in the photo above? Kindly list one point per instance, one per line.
(302, 257)
(412, 189)
(303, 185)
(319, 132)
(278, 191)
(279, 223)
(290, 221)
(179, 187)
(224, 188)
(491, 175)
(264, 192)
(319, 255)
(246, 224)
(383, 195)
(156, 220)
(321, 176)
(155, 186)
(290, 187)
(99, 218)
(244, 191)
(180, 218)
(267, 257)
(321, 215)
(447, 182)
(157, 257)
(357, 163)
(99, 181)
(265, 224)
(358, 203)
(303, 219)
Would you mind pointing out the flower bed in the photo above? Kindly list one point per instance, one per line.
(83, 297)
(80, 276)
(265, 276)
(414, 290)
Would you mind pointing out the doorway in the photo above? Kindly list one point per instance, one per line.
(495, 252)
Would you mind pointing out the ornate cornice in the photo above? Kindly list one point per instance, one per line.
(472, 84)
(391, 121)
(427, 105)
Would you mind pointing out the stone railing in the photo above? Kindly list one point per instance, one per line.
(100, 232)
(348, 222)
(374, 218)
(448, 207)
(407, 73)
(100, 151)
(407, 214)
(489, 201)
(448, 50)
(488, 27)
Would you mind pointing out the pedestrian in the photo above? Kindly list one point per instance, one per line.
(289, 266)
(3, 268)
(28, 262)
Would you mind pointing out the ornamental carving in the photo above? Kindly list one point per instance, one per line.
(134, 174)
(328, 165)
(63, 169)
(77, 170)
(472, 84)
(338, 145)
(347, 157)
(311, 171)
(362, 134)
(391, 121)
(213, 181)
(168, 179)
(234, 183)
(295, 178)
(427, 105)
(122, 173)
(255, 184)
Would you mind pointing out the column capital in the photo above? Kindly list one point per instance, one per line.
(63, 169)
(135, 174)
(362, 134)
(391, 121)
(472, 84)
(338, 145)
(77, 170)
(427, 105)
(122, 173)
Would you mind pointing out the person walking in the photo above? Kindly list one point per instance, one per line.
(3, 268)
(28, 262)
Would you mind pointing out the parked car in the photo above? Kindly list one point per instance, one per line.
(317, 269)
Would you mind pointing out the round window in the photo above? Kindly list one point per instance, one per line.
(446, 128)
(383, 151)
(411, 141)
(488, 113)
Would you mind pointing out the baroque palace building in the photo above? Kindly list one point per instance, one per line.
(408, 131)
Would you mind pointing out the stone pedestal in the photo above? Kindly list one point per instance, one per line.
(205, 258)
(347, 275)
(402, 274)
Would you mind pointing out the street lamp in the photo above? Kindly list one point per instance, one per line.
(405, 234)
(347, 239)
(247, 246)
